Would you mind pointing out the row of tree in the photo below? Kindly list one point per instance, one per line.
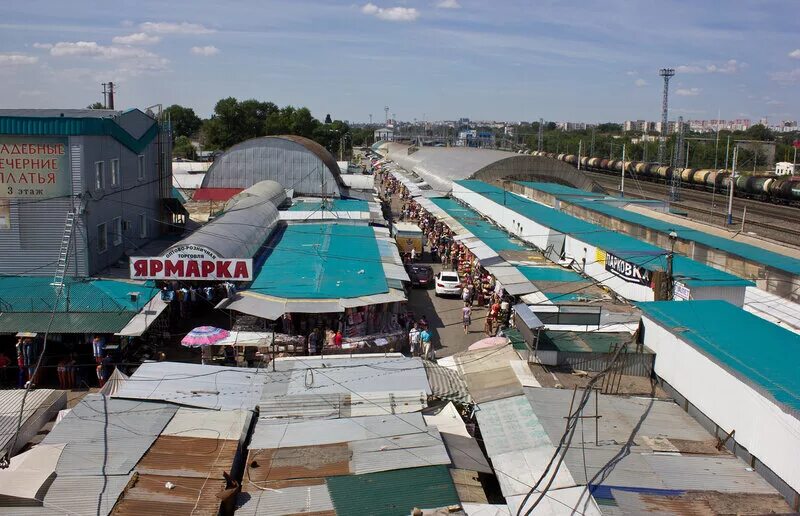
(235, 121)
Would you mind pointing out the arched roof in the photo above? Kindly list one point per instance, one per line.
(440, 166)
(293, 161)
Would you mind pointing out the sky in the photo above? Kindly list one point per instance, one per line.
(589, 60)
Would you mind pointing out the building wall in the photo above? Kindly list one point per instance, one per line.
(32, 244)
(768, 433)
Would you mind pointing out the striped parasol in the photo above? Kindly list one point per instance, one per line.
(204, 336)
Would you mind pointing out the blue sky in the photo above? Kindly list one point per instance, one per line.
(591, 60)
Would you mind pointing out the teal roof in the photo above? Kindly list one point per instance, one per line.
(70, 126)
(557, 190)
(35, 294)
(72, 322)
(322, 261)
(687, 271)
(176, 194)
(494, 237)
(752, 348)
(330, 205)
(550, 274)
(746, 251)
(394, 492)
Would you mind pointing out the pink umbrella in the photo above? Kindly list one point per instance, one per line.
(204, 336)
(488, 342)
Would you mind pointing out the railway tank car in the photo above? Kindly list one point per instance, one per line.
(772, 188)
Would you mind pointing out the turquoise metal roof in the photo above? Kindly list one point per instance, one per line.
(687, 271)
(556, 189)
(746, 251)
(330, 205)
(322, 261)
(35, 294)
(497, 239)
(394, 492)
(176, 194)
(550, 274)
(763, 353)
(66, 126)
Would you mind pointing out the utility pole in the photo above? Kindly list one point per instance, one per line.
(580, 147)
(541, 135)
(591, 145)
(673, 236)
(731, 185)
(667, 74)
(622, 183)
(727, 151)
(386, 113)
(370, 119)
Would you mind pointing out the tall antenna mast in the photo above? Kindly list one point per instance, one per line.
(667, 74)
(386, 113)
(675, 180)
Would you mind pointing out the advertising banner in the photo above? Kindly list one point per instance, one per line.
(208, 269)
(34, 167)
(628, 271)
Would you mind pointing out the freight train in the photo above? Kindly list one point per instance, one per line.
(770, 188)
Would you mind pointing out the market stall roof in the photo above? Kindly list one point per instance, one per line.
(27, 304)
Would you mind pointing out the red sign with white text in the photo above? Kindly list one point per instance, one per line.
(205, 269)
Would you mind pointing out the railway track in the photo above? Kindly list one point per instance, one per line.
(776, 222)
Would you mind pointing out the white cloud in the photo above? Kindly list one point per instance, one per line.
(174, 28)
(138, 38)
(448, 4)
(207, 51)
(795, 54)
(403, 14)
(632, 73)
(729, 66)
(130, 61)
(789, 76)
(640, 82)
(17, 59)
(688, 92)
(46, 46)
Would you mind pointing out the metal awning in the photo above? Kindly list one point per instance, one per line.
(394, 271)
(528, 317)
(146, 316)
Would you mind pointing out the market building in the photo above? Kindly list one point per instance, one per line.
(81, 188)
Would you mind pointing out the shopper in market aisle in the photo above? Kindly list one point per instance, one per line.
(467, 317)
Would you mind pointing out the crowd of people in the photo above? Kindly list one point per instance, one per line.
(479, 287)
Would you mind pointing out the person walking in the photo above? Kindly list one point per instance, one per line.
(312, 342)
(413, 341)
(487, 326)
(428, 352)
(413, 254)
(466, 316)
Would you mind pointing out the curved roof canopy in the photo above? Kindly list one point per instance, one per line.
(440, 166)
(293, 161)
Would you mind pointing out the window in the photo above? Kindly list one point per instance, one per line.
(143, 225)
(99, 176)
(114, 172)
(140, 175)
(117, 228)
(102, 238)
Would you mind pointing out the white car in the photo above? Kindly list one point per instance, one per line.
(448, 283)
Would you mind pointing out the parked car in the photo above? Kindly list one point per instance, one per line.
(448, 283)
(421, 275)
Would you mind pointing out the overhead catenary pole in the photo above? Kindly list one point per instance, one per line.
(727, 151)
(580, 148)
(731, 185)
(622, 183)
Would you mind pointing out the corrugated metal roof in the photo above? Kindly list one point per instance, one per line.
(148, 495)
(36, 294)
(188, 457)
(517, 471)
(40, 406)
(559, 502)
(398, 452)
(105, 436)
(392, 492)
(662, 430)
(447, 384)
(76, 496)
(28, 472)
(371, 384)
(286, 501)
(510, 425)
(195, 385)
(271, 434)
(67, 323)
(221, 424)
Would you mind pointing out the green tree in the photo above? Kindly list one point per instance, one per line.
(183, 148)
(759, 132)
(184, 121)
(96, 105)
(234, 122)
